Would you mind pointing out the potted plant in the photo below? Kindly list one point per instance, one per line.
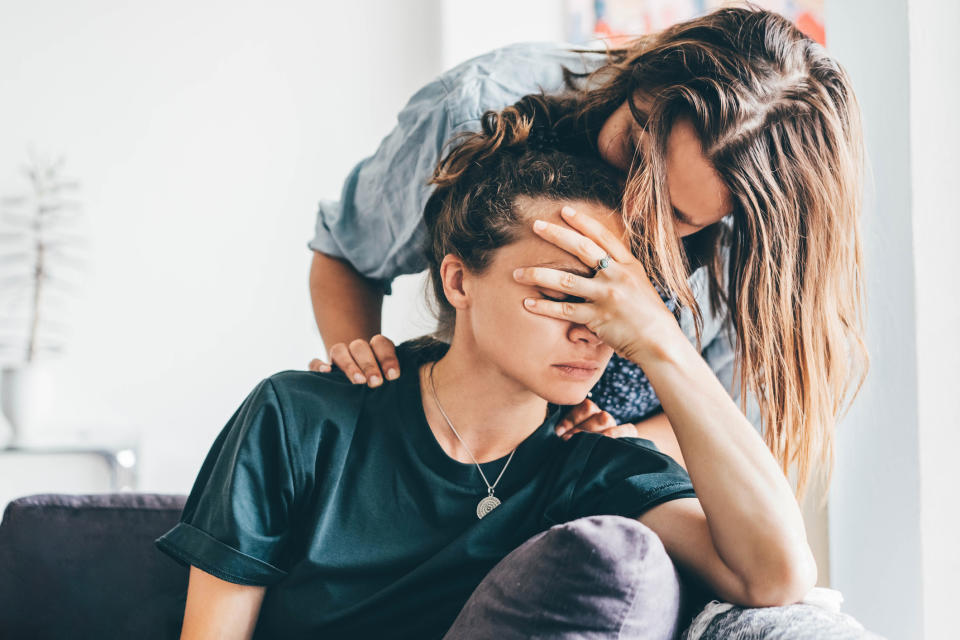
(39, 262)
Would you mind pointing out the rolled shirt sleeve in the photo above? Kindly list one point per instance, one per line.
(236, 520)
(627, 477)
(377, 224)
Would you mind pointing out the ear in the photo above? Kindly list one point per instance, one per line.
(453, 275)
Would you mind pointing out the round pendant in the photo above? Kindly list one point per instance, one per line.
(487, 505)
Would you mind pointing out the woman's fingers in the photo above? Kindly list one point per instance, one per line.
(560, 281)
(571, 241)
(361, 361)
(363, 355)
(318, 365)
(386, 354)
(597, 423)
(578, 313)
(601, 235)
(340, 356)
(627, 430)
(577, 415)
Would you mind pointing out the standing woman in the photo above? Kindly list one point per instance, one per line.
(740, 142)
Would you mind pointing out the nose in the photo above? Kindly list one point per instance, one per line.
(580, 333)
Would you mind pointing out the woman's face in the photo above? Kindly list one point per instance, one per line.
(558, 360)
(698, 195)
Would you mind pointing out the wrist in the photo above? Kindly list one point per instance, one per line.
(664, 345)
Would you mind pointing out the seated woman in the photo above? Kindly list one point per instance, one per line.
(330, 508)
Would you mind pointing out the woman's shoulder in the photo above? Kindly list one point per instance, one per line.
(308, 398)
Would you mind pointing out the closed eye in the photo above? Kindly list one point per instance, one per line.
(563, 298)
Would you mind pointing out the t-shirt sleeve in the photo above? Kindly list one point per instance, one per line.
(627, 477)
(377, 224)
(237, 518)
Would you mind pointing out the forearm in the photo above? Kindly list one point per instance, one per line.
(346, 305)
(754, 518)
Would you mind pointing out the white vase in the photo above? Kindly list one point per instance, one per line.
(6, 432)
(24, 400)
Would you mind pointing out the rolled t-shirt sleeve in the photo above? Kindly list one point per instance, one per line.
(627, 477)
(237, 518)
(377, 225)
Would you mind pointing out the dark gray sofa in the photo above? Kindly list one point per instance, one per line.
(85, 566)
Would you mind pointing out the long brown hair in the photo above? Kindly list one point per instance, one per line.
(778, 119)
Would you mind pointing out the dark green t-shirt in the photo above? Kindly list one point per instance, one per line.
(340, 499)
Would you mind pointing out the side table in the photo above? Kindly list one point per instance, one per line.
(65, 466)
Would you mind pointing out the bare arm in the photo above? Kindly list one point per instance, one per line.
(220, 609)
(346, 305)
(750, 513)
(753, 519)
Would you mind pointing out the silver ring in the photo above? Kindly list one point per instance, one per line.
(603, 264)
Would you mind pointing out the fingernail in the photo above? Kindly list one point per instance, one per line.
(530, 302)
(392, 374)
(568, 210)
(325, 368)
(518, 273)
(358, 378)
(539, 225)
(375, 380)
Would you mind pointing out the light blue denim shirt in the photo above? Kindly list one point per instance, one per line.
(377, 225)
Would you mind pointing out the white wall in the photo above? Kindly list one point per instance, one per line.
(935, 164)
(472, 28)
(874, 500)
(894, 510)
(203, 134)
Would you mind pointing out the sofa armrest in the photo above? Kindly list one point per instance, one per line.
(86, 566)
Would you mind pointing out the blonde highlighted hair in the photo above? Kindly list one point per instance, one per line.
(778, 119)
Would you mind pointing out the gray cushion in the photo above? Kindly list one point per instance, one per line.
(85, 566)
(596, 577)
(724, 621)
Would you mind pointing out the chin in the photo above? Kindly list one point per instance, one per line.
(566, 399)
(565, 392)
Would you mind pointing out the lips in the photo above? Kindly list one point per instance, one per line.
(578, 370)
(580, 364)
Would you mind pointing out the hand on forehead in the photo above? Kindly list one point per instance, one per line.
(548, 210)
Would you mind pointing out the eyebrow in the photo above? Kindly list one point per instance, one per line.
(684, 218)
(579, 270)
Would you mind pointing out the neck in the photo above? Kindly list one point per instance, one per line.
(491, 412)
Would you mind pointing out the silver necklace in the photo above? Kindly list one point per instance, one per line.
(490, 502)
